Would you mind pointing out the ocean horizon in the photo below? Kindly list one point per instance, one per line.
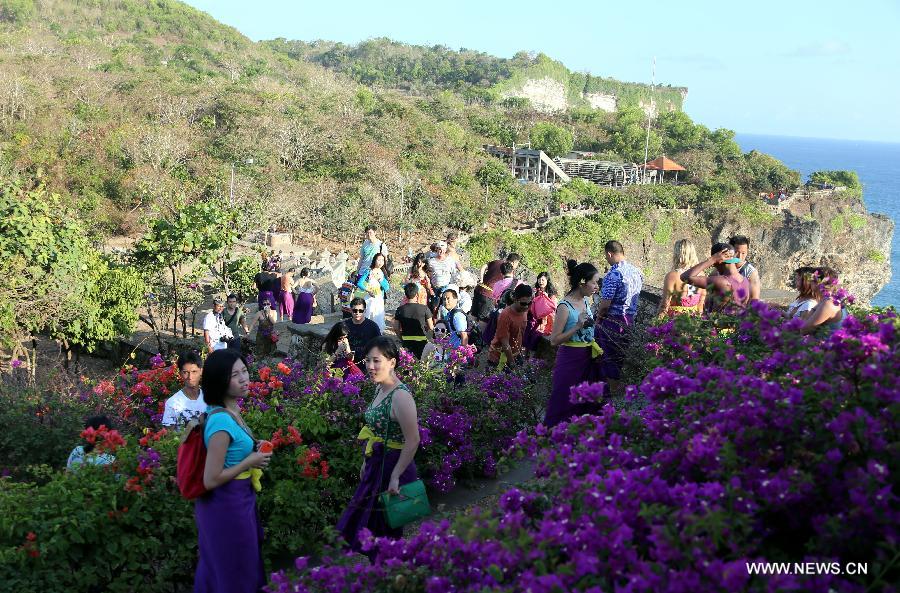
(877, 163)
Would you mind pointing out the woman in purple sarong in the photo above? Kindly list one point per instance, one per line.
(391, 437)
(573, 331)
(306, 298)
(286, 295)
(228, 527)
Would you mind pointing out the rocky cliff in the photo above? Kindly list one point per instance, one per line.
(822, 228)
(549, 95)
(830, 229)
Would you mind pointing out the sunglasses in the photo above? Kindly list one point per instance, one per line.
(524, 303)
(438, 330)
(358, 310)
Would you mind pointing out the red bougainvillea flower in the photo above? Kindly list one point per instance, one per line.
(283, 368)
(103, 439)
(279, 440)
(265, 373)
(149, 436)
(312, 465)
(134, 485)
(30, 545)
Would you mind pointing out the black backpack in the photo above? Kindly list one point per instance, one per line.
(470, 322)
(490, 327)
(388, 263)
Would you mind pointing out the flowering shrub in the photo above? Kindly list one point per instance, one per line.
(92, 532)
(310, 416)
(756, 444)
(103, 439)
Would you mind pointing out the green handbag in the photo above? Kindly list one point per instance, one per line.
(412, 502)
(408, 506)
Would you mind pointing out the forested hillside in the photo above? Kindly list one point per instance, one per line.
(475, 75)
(122, 106)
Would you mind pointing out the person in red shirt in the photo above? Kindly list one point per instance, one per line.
(506, 347)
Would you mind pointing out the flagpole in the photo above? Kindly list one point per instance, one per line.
(649, 117)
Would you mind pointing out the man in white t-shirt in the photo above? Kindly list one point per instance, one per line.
(442, 268)
(215, 330)
(188, 403)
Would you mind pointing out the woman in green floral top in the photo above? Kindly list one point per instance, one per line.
(391, 437)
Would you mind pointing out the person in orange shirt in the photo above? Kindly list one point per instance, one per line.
(506, 347)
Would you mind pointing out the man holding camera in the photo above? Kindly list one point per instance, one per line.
(216, 332)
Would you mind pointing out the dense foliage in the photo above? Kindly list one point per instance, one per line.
(126, 527)
(55, 280)
(144, 102)
(745, 443)
(477, 76)
(552, 139)
(848, 179)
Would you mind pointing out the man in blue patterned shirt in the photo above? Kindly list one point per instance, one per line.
(616, 312)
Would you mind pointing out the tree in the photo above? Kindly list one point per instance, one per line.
(55, 282)
(680, 133)
(847, 179)
(552, 139)
(197, 233)
(629, 133)
(726, 148)
(763, 172)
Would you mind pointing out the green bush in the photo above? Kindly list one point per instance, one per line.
(717, 191)
(552, 139)
(848, 179)
(662, 234)
(857, 221)
(42, 427)
(764, 173)
(92, 535)
(837, 224)
(240, 276)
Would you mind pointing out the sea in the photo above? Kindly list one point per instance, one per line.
(876, 163)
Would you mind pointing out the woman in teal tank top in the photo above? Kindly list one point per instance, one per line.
(228, 529)
(577, 357)
(391, 438)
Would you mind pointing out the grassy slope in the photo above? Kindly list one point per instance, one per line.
(122, 105)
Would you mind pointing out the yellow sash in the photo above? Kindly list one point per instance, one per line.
(253, 474)
(371, 438)
(596, 350)
(415, 338)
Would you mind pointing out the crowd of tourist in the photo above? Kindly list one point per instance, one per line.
(444, 307)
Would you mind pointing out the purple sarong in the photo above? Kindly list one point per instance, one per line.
(363, 509)
(230, 539)
(285, 303)
(574, 365)
(612, 335)
(303, 308)
(267, 295)
(531, 336)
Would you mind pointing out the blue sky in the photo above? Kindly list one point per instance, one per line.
(824, 69)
